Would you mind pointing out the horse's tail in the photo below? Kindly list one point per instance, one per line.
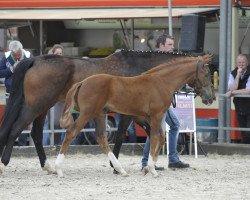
(16, 98)
(70, 105)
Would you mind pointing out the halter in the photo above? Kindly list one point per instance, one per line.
(197, 81)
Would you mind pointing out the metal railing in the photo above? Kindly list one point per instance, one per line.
(226, 128)
(52, 129)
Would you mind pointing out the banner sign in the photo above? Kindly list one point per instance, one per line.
(185, 110)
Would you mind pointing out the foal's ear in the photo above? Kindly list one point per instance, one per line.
(207, 58)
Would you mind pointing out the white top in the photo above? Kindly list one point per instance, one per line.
(231, 80)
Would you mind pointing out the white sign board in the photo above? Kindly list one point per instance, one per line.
(185, 110)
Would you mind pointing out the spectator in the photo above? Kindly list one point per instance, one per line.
(57, 50)
(166, 43)
(239, 83)
(8, 63)
(132, 133)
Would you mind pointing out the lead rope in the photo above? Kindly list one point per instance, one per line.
(174, 101)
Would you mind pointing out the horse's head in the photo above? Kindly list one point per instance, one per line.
(202, 83)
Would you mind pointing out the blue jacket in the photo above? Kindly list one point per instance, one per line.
(6, 67)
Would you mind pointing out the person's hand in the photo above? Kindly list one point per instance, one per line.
(239, 71)
(14, 66)
(228, 94)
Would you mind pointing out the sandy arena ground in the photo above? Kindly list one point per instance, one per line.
(90, 177)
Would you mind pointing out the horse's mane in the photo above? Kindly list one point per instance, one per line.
(170, 63)
(149, 53)
(205, 58)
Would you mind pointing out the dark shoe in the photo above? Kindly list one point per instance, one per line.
(178, 164)
(156, 168)
(159, 168)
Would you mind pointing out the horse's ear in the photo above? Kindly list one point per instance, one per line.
(207, 58)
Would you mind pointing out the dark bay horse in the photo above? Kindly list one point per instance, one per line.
(39, 82)
(97, 94)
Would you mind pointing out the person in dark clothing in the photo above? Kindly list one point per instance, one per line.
(239, 83)
(8, 63)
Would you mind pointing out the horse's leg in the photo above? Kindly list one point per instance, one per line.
(125, 120)
(71, 133)
(102, 140)
(155, 143)
(3, 140)
(37, 136)
(162, 138)
(24, 119)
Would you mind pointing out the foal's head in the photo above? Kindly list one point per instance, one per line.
(202, 83)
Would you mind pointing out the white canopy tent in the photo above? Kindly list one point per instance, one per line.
(97, 13)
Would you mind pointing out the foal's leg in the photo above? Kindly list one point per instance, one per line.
(103, 142)
(71, 133)
(162, 139)
(155, 144)
(37, 136)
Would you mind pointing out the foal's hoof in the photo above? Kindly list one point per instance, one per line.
(154, 173)
(124, 174)
(59, 173)
(48, 167)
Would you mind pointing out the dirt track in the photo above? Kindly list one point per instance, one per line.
(90, 177)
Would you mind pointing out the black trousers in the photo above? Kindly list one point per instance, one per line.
(244, 122)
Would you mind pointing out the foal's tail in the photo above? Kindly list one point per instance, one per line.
(70, 104)
(16, 98)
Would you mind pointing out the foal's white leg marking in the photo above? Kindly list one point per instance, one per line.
(116, 164)
(2, 166)
(151, 166)
(58, 164)
(48, 167)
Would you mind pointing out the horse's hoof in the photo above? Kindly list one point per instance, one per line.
(124, 174)
(115, 172)
(48, 167)
(145, 170)
(2, 166)
(155, 175)
(59, 173)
